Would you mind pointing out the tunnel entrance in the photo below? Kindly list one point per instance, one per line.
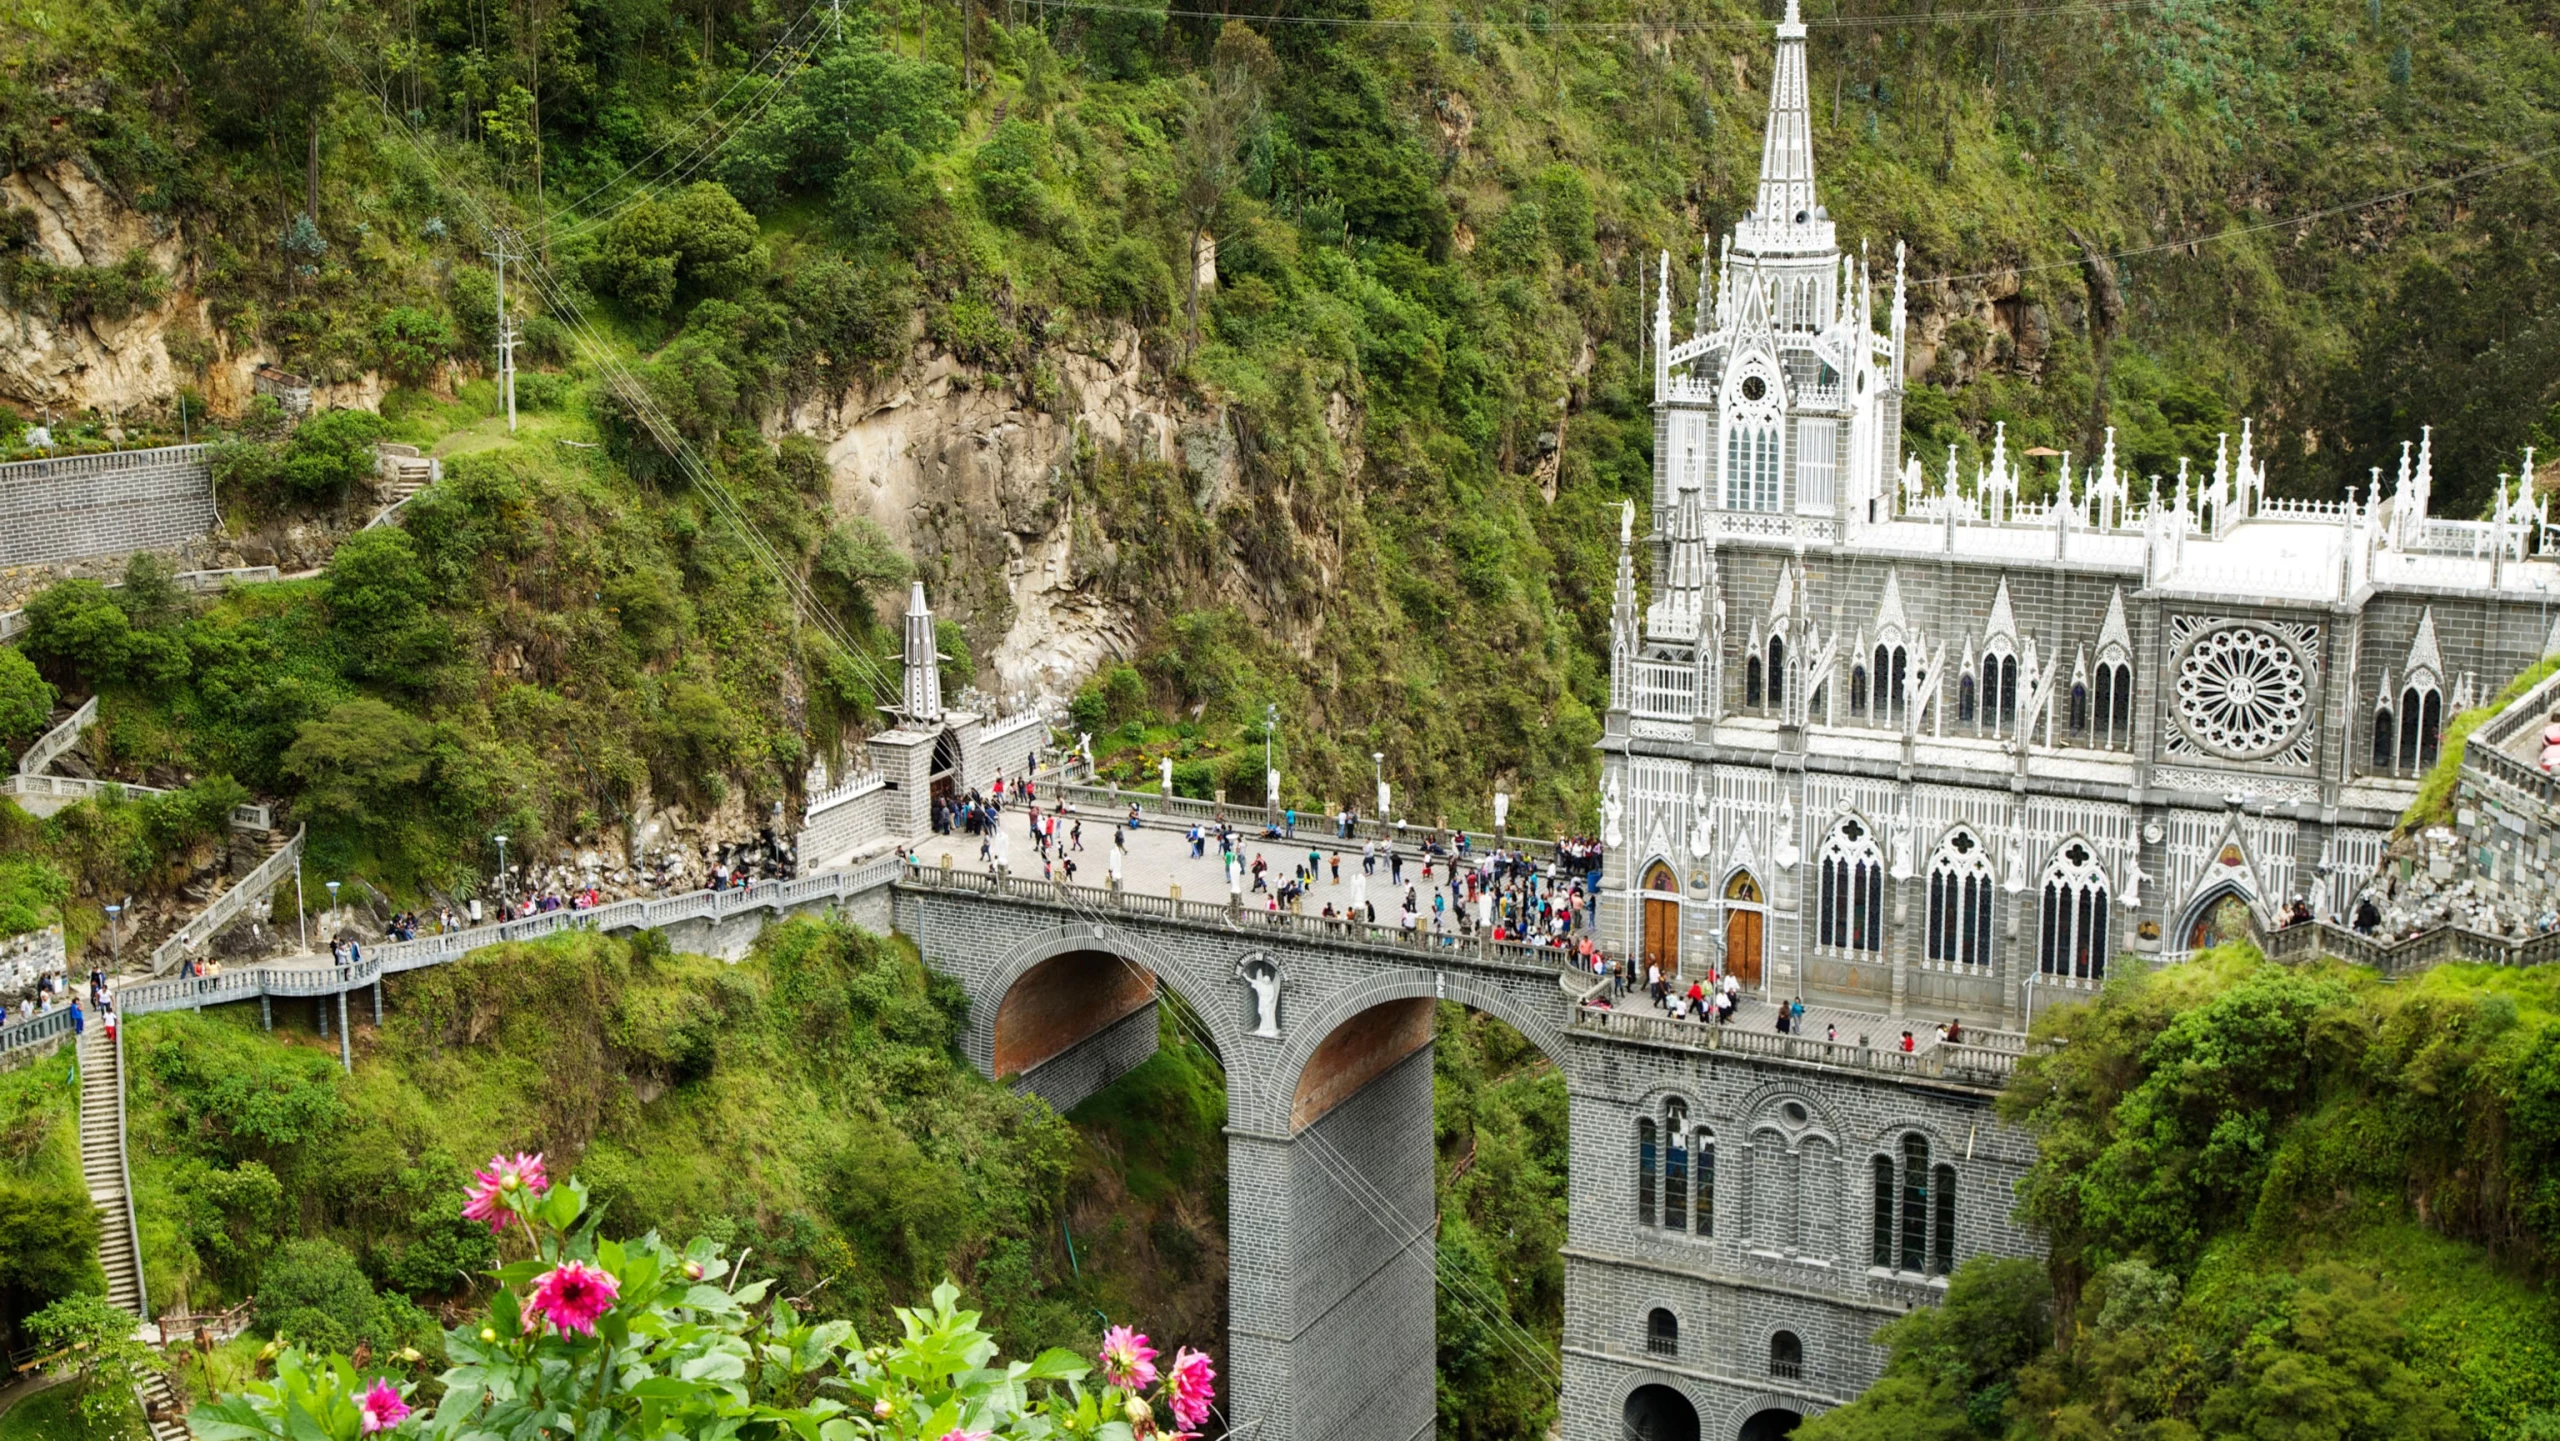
(1656, 1412)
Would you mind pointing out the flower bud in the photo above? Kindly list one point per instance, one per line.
(488, 1335)
(412, 1355)
(1138, 1411)
(693, 1270)
(882, 1409)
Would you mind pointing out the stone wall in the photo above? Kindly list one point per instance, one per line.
(110, 504)
(27, 959)
(1786, 1240)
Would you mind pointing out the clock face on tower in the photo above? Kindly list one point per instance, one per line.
(1753, 387)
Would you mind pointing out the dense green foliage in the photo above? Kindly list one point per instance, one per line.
(1499, 1120)
(2282, 1203)
(805, 1105)
(48, 1229)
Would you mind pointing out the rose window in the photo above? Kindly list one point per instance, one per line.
(2242, 692)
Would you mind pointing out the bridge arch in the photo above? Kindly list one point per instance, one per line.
(1067, 984)
(1363, 1030)
(1661, 1406)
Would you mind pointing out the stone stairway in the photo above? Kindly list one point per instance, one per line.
(102, 1165)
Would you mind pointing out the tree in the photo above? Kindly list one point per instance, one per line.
(47, 1236)
(1224, 107)
(378, 597)
(699, 241)
(313, 1293)
(94, 1337)
(77, 631)
(258, 71)
(410, 342)
(360, 762)
(26, 699)
(330, 454)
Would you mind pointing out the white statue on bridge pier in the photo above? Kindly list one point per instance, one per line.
(1262, 979)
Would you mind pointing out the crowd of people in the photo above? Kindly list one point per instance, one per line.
(51, 992)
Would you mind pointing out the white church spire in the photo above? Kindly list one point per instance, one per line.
(1787, 219)
(922, 695)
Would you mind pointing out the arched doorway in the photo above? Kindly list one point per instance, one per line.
(1655, 1412)
(2221, 915)
(1743, 925)
(945, 777)
(1662, 918)
(1771, 1424)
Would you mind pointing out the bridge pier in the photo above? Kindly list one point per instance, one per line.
(1330, 1237)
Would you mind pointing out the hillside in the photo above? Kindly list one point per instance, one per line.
(2282, 1202)
(1375, 489)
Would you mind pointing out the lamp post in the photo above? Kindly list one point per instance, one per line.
(1270, 777)
(1378, 761)
(333, 899)
(502, 866)
(115, 934)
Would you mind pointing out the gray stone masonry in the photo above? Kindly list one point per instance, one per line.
(84, 505)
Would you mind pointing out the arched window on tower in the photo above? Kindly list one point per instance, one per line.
(1767, 472)
(1702, 1159)
(2071, 939)
(1990, 712)
(1915, 1204)
(2008, 692)
(2421, 725)
(1644, 1170)
(1858, 689)
(2383, 736)
(2120, 718)
(1942, 1227)
(1675, 1165)
(1786, 1356)
(2104, 686)
(2430, 729)
(1960, 902)
(1964, 698)
(2079, 709)
(1777, 671)
(1901, 684)
(1880, 1247)
(1851, 901)
(1751, 680)
(1661, 1333)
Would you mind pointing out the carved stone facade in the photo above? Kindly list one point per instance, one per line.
(1930, 746)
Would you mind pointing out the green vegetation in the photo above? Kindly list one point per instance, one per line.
(54, 1414)
(2282, 1202)
(48, 1229)
(1499, 1120)
(2434, 805)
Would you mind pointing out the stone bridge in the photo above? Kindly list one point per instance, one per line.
(1745, 1207)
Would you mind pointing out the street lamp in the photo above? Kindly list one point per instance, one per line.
(333, 898)
(1378, 759)
(502, 867)
(115, 935)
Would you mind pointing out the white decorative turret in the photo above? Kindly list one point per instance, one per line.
(921, 697)
(1788, 220)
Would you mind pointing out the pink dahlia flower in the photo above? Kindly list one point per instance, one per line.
(572, 1295)
(1194, 1387)
(956, 1434)
(382, 1407)
(1128, 1361)
(491, 1187)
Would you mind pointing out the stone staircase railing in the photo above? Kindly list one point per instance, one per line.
(228, 907)
(49, 747)
(2485, 756)
(2305, 940)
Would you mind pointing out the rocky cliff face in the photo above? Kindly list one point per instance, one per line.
(127, 365)
(974, 480)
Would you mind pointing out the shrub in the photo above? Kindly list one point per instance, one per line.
(699, 241)
(26, 699)
(411, 343)
(312, 1292)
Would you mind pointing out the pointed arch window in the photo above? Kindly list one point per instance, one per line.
(1777, 671)
(2113, 712)
(1892, 667)
(2421, 725)
(1960, 902)
(2384, 735)
(2071, 937)
(1942, 1226)
(1702, 1158)
(1880, 1242)
(1675, 1165)
(1850, 907)
(2079, 708)
(1645, 1162)
(1751, 680)
(1964, 698)
(1858, 689)
(1915, 1204)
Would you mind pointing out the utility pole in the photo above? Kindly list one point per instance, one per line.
(506, 328)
